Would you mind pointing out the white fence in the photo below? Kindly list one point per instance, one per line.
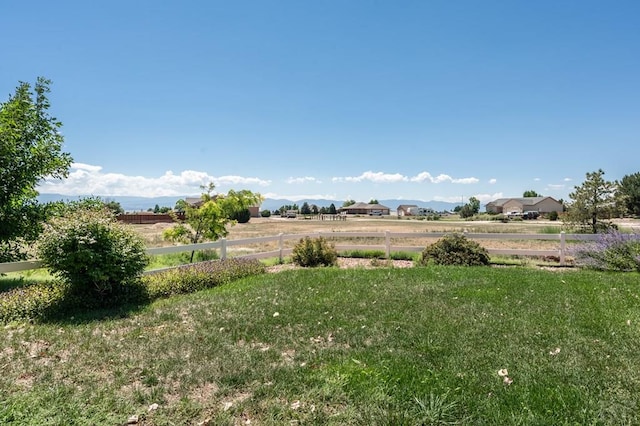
(282, 251)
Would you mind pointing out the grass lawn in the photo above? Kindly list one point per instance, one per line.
(343, 346)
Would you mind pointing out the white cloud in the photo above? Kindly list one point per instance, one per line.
(87, 167)
(555, 187)
(380, 177)
(484, 198)
(85, 179)
(567, 179)
(302, 180)
(536, 179)
(376, 177)
(466, 180)
(426, 176)
(240, 180)
(493, 181)
(274, 196)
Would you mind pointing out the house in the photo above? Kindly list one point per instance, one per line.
(405, 209)
(366, 209)
(524, 204)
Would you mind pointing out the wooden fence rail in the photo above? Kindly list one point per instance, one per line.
(282, 251)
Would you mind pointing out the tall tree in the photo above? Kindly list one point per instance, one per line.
(30, 150)
(209, 220)
(531, 193)
(305, 209)
(629, 189)
(332, 209)
(348, 203)
(593, 201)
(471, 208)
(373, 201)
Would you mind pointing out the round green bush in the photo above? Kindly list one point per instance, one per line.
(242, 216)
(92, 251)
(455, 249)
(265, 213)
(310, 252)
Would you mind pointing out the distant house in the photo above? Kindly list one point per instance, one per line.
(366, 209)
(405, 209)
(524, 204)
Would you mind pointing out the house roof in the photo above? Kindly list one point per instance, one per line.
(364, 206)
(406, 206)
(525, 201)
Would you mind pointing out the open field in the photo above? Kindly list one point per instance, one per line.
(482, 346)
(259, 227)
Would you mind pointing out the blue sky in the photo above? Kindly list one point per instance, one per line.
(428, 100)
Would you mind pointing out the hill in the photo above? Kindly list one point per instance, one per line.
(133, 204)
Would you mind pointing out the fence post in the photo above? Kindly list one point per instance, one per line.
(563, 246)
(387, 244)
(280, 245)
(223, 248)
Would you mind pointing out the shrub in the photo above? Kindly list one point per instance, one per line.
(32, 302)
(242, 216)
(454, 249)
(92, 251)
(553, 215)
(199, 276)
(265, 213)
(310, 252)
(613, 251)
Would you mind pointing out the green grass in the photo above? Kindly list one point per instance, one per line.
(331, 346)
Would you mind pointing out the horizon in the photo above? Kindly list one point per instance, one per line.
(433, 101)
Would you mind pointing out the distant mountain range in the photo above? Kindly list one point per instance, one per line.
(134, 204)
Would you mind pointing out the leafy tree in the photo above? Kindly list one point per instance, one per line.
(305, 209)
(30, 150)
(373, 201)
(348, 203)
(156, 209)
(471, 208)
(531, 193)
(630, 192)
(332, 209)
(593, 201)
(209, 220)
(114, 206)
(314, 209)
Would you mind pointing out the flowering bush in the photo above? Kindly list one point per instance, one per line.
(92, 251)
(613, 251)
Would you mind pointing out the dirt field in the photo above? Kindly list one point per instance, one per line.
(259, 227)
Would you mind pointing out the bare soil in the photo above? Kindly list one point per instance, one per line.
(260, 227)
